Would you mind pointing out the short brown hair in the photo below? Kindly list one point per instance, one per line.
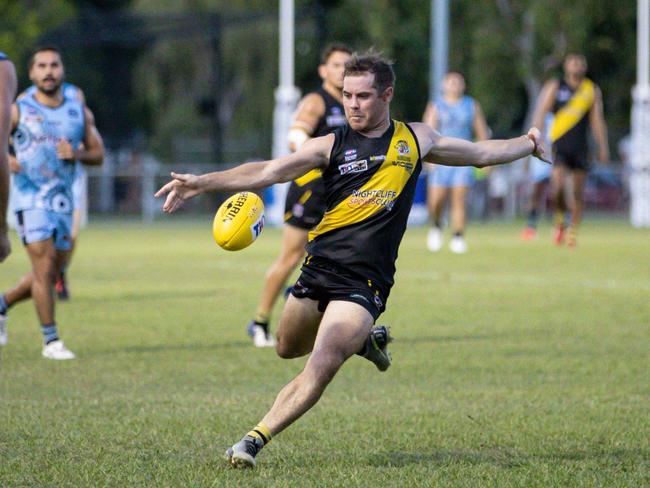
(375, 63)
(334, 47)
(41, 49)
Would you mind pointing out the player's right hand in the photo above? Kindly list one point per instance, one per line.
(536, 136)
(181, 188)
(5, 245)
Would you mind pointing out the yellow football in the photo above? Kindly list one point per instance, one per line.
(238, 221)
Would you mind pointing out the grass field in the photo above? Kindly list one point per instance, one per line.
(516, 365)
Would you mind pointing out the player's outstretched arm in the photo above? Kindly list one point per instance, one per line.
(458, 152)
(249, 176)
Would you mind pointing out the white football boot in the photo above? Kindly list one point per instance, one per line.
(434, 239)
(458, 245)
(261, 338)
(57, 350)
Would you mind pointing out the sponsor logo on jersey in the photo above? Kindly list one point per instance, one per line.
(350, 155)
(407, 165)
(403, 148)
(336, 118)
(354, 167)
(379, 198)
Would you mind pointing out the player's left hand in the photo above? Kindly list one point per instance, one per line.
(64, 150)
(181, 188)
(535, 135)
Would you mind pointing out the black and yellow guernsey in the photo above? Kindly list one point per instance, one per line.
(571, 116)
(332, 118)
(370, 183)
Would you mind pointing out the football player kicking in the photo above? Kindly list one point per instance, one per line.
(370, 168)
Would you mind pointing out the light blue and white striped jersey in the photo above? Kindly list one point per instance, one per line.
(44, 180)
(456, 119)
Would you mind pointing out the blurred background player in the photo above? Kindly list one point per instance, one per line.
(51, 133)
(540, 176)
(61, 286)
(576, 102)
(458, 115)
(318, 113)
(7, 94)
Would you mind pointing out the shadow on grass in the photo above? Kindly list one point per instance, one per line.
(150, 296)
(156, 348)
(501, 457)
(458, 338)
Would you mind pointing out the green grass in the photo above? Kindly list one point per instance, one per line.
(514, 365)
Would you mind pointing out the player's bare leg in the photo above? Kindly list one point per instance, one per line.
(343, 331)
(61, 284)
(458, 219)
(436, 197)
(579, 180)
(298, 327)
(292, 252)
(558, 179)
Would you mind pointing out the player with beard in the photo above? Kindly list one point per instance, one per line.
(318, 113)
(370, 169)
(51, 132)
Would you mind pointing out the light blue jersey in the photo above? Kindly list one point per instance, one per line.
(454, 120)
(72, 92)
(44, 181)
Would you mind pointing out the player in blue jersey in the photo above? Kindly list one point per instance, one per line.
(51, 132)
(7, 94)
(457, 115)
(61, 285)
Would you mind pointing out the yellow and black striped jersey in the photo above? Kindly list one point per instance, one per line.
(370, 183)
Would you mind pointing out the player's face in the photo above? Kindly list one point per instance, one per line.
(453, 85)
(575, 66)
(332, 70)
(47, 72)
(364, 107)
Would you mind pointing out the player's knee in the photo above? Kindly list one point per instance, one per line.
(45, 272)
(287, 350)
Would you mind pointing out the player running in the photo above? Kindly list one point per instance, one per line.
(458, 115)
(51, 133)
(61, 285)
(576, 103)
(318, 113)
(370, 168)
